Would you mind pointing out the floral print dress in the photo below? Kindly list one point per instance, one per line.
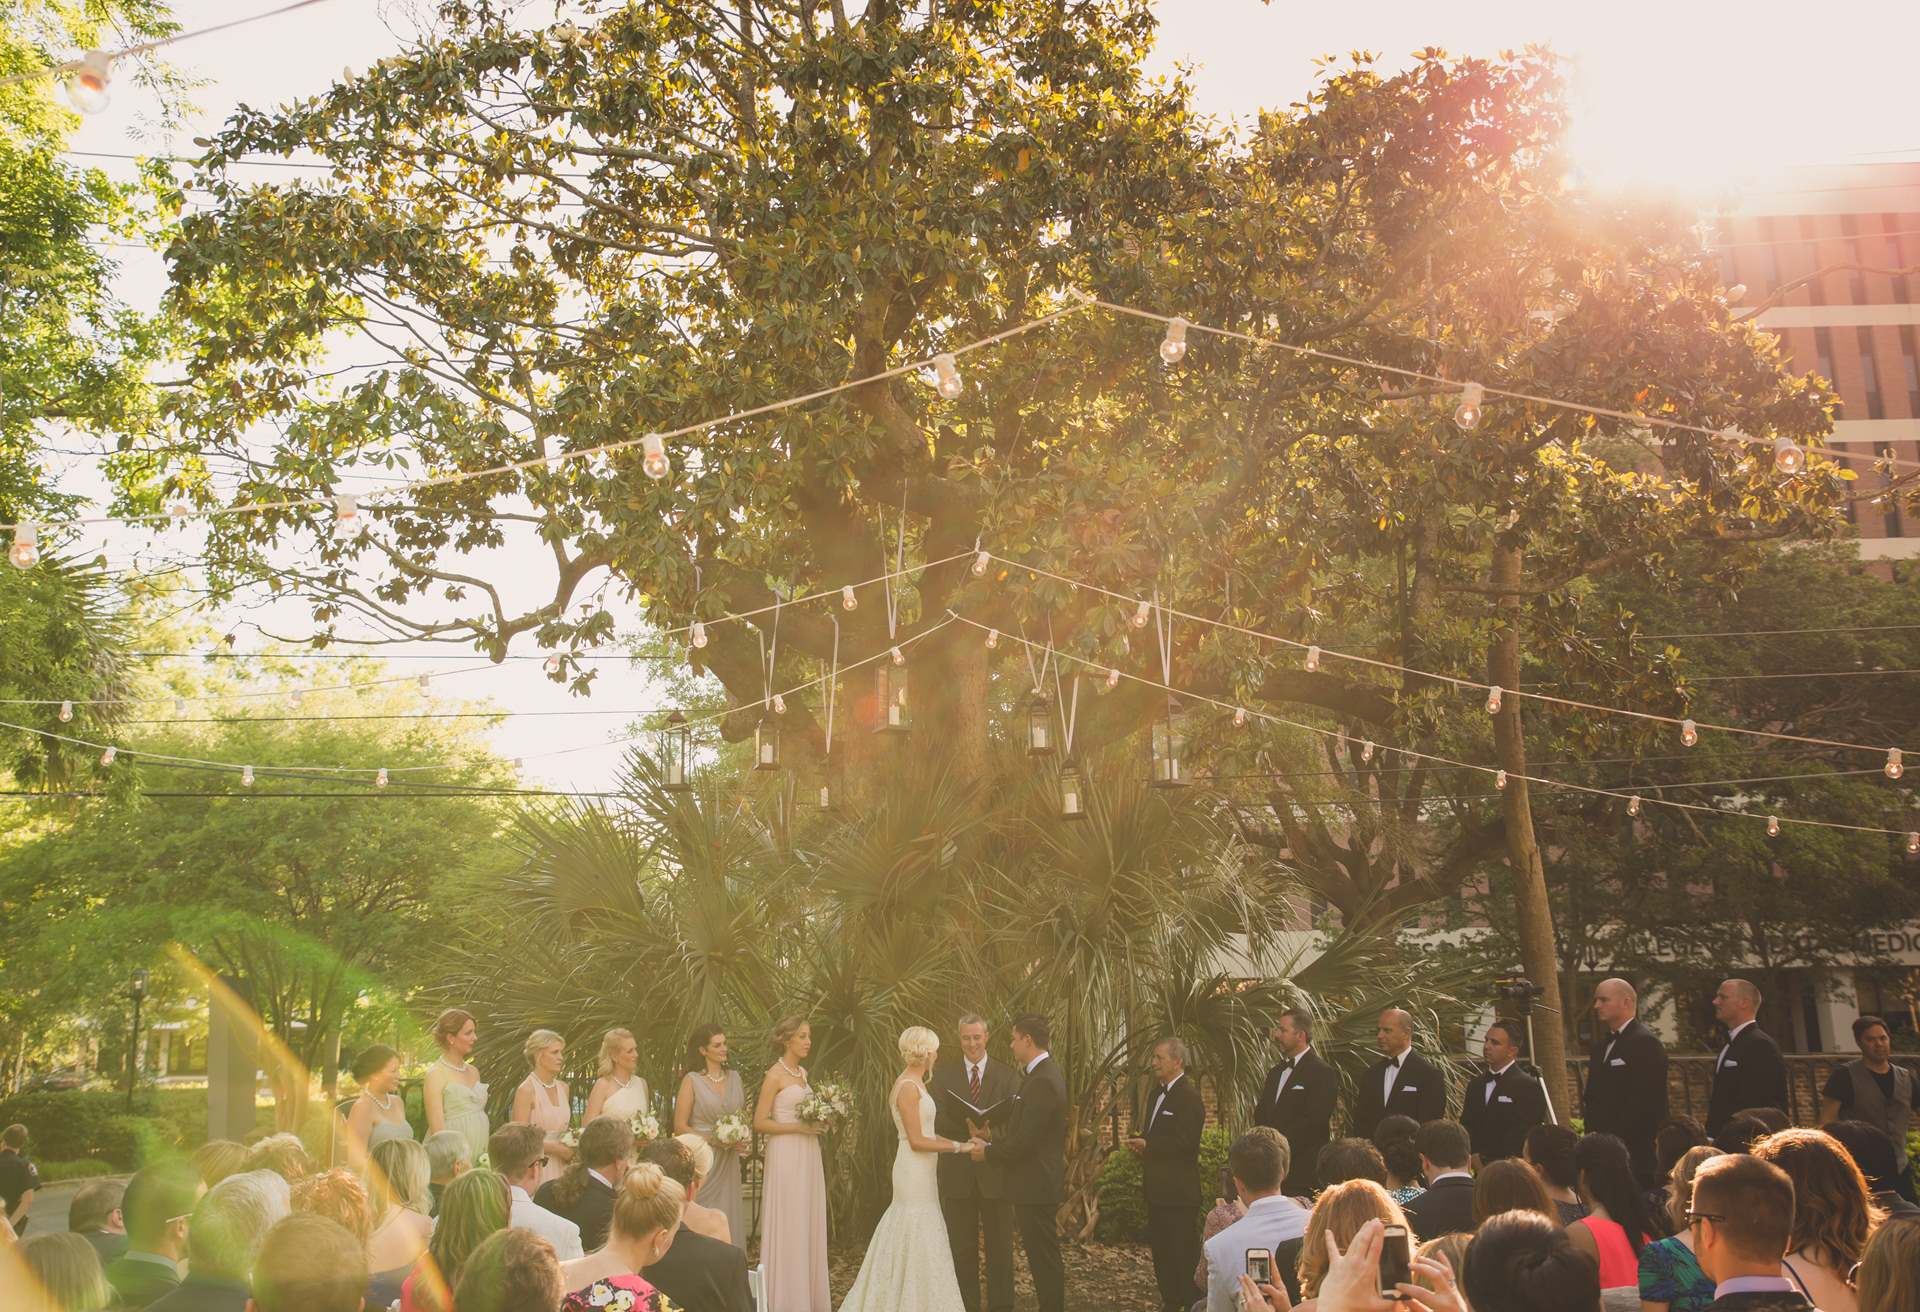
(617, 1294)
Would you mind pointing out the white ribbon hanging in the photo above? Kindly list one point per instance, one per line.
(833, 685)
(769, 659)
(1069, 710)
(1163, 635)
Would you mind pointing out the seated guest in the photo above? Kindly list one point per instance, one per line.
(1742, 1218)
(157, 1205)
(1616, 1226)
(61, 1273)
(1447, 1203)
(1772, 1118)
(1833, 1213)
(1258, 1163)
(1741, 1132)
(1522, 1262)
(1549, 1151)
(309, 1264)
(585, 1191)
(518, 1152)
(397, 1203)
(1670, 1276)
(1885, 1281)
(282, 1154)
(708, 1221)
(1670, 1143)
(216, 1159)
(1394, 1138)
(229, 1226)
(449, 1156)
(1350, 1159)
(1873, 1152)
(1450, 1250)
(699, 1273)
(339, 1196)
(513, 1270)
(475, 1206)
(95, 1214)
(646, 1216)
(1506, 1185)
(1339, 1212)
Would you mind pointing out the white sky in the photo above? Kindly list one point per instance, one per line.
(1674, 93)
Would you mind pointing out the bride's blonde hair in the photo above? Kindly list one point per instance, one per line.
(918, 1044)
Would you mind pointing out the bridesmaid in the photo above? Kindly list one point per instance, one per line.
(455, 1098)
(379, 1113)
(542, 1100)
(709, 1091)
(618, 1091)
(793, 1239)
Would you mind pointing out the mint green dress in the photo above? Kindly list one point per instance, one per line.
(466, 1113)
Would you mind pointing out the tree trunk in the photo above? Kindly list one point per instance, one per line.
(1538, 954)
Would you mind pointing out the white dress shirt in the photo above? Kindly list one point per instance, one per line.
(1732, 1034)
(1159, 1101)
(1392, 1074)
(1269, 1223)
(1038, 1058)
(563, 1234)
(1496, 1079)
(1287, 1074)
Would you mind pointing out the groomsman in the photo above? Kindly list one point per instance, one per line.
(974, 1194)
(1033, 1150)
(1169, 1142)
(1502, 1105)
(1298, 1100)
(1402, 1082)
(1626, 1091)
(1749, 1071)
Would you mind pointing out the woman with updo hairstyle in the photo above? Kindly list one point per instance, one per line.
(793, 1207)
(378, 1113)
(700, 1219)
(455, 1097)
(216, 1159)
(620, 1090)
(646, 1213)
(1522, 1262)
(709, 1091)
(542, 1100)
(1394, 1137)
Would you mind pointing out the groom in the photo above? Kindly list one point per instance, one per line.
(1034, 1152)
(973, 1194)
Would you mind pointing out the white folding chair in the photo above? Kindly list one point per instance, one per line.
(757, 1283)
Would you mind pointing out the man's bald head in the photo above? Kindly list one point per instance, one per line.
(1395, 1032)
(1736, 1002)
(1615, 1003)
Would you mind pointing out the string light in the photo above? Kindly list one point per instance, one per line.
(847, 600)
(1313, 659)
(1493, 700)
(899, 657)
(1894, 766)
(296, 697)
(1689, 733)
(1141, 614)
(1113, 678)
(179, 706)
(993, 639)
(346, 516)
(25, 552)
(1473, 398)
(1500, 779)
(246, 776)
(426, 682)
(946, 372)
(1366, 751)
(1773, 826)
(1173, 347)
(1788, 458)
(66, 712)
(779, 704)
(1239, 717)
(699, 634)
(1913, 844)
(380, 777)
(551, 665)
(1633, 805)
(981, 559)
(178, 511)
(89, 79)
(653, 456)
(106, 757)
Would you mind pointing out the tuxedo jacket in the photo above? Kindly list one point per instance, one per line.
(701, 1274)
(1751, 1074)
(1626, 1093)
(1303, 1112)
(1445, 1206)
(1171, 1162)
(1498, 1124)
(139, 1283)
(592, 1211)
(1033, 1150)
(1785, 1302)
(1419, 1091)
(960, 1175)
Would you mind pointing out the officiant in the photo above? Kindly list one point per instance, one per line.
(973, 1194)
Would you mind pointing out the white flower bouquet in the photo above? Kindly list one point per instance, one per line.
(732, 1130)
(646, 1126)
(826, 1105)
(570, 1137)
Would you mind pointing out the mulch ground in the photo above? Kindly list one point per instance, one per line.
(1100, 1277)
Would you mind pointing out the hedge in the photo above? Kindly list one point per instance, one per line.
(87, 1168)
(76, 1124)
(1123, 1209)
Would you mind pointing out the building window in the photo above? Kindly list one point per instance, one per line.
(1816, 292)
(1910, 361)
(1856, 279)
(1902, 291)
(1870, 374)
(1889, 499)
(1767, 252)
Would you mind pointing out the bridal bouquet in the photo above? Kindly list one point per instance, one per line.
(732, 1130)
(827, 1105)
(570, 1137)
(646, 1127)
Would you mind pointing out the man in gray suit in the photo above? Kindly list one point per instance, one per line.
(1258, 1162)
(973, 1195)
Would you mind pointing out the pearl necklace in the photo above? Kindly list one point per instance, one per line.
(619, 1083)
(545, 1085)
(721, 1081)
(788, 1069)
(461, 1069)
(384, 1104)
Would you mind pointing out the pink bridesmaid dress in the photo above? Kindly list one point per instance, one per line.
(551, 1119)
(793, 1226)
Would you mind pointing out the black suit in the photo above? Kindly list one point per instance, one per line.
(1170, 1166)
(1303, 1112)
(204, 1294)
(1419, 1091)
(1499, 1125)
(701, 1274)
(1445, 1207)
(973, 1195)
(1750, 1073)
(105, 1246)
(1626, 1092)
(1783, 1302)
(592, 1211)
(139, 1282)
(1034, 1152)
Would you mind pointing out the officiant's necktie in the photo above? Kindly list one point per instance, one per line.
(973, 1084)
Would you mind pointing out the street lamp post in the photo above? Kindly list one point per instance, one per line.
(137, 987)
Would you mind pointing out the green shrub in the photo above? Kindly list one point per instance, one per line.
(87, 1168)
(1123, 1206)
(131, 1142)
(67, 1126)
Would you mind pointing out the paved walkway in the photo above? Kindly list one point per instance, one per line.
(50, 1205)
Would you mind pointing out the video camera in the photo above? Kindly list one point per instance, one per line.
(1517, 994)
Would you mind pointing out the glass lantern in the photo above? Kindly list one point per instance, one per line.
(1073, 795)
(1039, 725)
(1166, 744)
(766, 744)
(676, 755)
(890, 699)
(826, 783)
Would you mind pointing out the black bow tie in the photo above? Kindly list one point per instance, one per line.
(1393, 1063)
(1286, 1063)
(1165, 1089)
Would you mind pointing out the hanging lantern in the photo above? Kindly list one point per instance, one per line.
(1073, 796)
(676, 755)
(1166, 744)
(890, 698)
(826, 782)
(766, 744)
(1039, 725)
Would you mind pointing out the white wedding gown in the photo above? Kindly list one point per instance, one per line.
(909, 1266)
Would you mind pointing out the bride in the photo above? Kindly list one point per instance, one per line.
(909, 1266)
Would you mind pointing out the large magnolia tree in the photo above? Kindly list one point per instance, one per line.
(639, 217)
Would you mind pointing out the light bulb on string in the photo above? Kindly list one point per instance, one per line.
(779, 704)
(106, 757)
(1239, 717)
(899, 657)
(66, 712)
(1313, 659)
(1633, 805)
(25, 552)
(179, 706)
(980, 562)
(993, 639)
(552, 665)
(1494, 694)
(847, 600)
(1913, 844)
(178, 511)
(1500, 779)
(1472, 399)
(296, 697)
(1173, 347)
(380, 777)
(89, 79)
(246, 776)
(653, 456)
(1141, 614)
(1689, 733)
(426, 682)
(1113, 678)
(1894, 767)
(347, 522)
(699, 635)
(946, 373)
(1773, 826)
(1366, 751)
(1788, 458)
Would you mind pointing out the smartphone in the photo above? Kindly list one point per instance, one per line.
(1396, 1261)
(1260, 1265)
(1225, 1184)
